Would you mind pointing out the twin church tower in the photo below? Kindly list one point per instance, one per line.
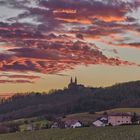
(74, 84)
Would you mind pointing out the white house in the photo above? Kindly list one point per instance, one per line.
(73, 124)
(55, 125)
(119, 119)
(98, 123)
(76, 125)
(101, 122)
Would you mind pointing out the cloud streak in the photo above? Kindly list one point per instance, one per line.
(15, 81)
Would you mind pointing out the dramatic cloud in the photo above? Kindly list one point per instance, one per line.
(50, 36)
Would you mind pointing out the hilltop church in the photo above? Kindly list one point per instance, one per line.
(74, 84)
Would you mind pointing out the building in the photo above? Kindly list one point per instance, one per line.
(73, 124)
(119, 119)
(55, 125)
(104, 119)
(74, 84)
(101, 122)
(29, 127)
(58, 124)
(98, 123)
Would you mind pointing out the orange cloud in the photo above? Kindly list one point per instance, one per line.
(111, 18)
(67, 11)
(81, 21)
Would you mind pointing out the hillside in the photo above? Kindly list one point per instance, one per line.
(89, 117)
(119, 110)
(107, 133)
(83, 117)
(71, 100)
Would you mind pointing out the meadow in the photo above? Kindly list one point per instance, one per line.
(107, 133)
(118, 110)
(90, 117)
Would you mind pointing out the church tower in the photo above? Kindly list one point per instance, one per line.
(73, 85)
(71, 81)
(75, 80)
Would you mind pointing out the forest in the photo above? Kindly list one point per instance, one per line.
(70, 100)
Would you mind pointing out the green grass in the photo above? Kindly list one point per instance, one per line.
(107, 133)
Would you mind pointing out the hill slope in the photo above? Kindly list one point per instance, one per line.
(120, 110)
(68, 101)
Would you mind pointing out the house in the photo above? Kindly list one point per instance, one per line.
(55, 125)
(29, 127)
(98, 123)
(101, 122)
(58, 124)
(73, 124)
(76, 125)
(117, 119)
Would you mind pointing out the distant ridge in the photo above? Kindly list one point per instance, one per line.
(73, 99)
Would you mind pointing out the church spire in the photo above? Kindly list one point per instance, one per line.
(76, 80)
(71, 81)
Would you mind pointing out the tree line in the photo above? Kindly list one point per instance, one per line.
(69, 100)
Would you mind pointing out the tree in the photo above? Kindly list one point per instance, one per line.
(134, 118)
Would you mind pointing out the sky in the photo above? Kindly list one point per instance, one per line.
(45, 42)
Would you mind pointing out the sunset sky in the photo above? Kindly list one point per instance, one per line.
(45, 42)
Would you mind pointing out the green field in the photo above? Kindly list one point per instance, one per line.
(108, 133)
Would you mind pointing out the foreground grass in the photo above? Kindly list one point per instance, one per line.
(108, 133)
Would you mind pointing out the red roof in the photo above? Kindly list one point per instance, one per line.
(120, 114)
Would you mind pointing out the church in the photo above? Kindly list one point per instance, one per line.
(74, 85)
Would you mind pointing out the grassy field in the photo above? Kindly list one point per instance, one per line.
(83, 117)
(108, 133)
(86, 117)
(131, 110)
